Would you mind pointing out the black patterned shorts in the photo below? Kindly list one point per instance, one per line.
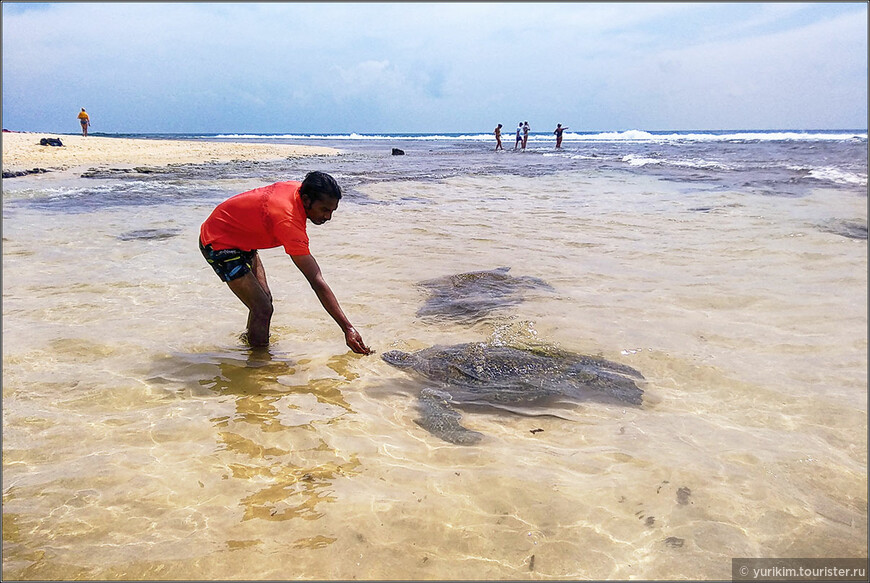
(229, 264)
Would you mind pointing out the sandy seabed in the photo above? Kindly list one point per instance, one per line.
(22, 151)
(143, 441)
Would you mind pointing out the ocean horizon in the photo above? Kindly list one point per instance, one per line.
(568, 136)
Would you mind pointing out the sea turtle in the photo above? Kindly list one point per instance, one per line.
(473, 295)
(495, 375)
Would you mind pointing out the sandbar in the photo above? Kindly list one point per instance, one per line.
(22, 151)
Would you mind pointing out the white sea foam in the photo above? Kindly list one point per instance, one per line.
(838, 176)
(636, 160)
(639, 160)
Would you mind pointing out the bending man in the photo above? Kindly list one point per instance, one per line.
(267, 217)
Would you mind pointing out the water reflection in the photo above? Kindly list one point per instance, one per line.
(296, 491)
(273, 441)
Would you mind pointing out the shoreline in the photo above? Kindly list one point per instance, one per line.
(22, 152)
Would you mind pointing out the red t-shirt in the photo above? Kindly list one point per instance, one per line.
(266, 217)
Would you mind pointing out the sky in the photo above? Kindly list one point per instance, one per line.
(239, 67)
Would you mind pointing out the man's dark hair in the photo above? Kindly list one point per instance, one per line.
(318, 185)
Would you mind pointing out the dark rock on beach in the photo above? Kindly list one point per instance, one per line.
(16, 173)
(50, 142)
(114, 172)
(398, 152)
(149, 234)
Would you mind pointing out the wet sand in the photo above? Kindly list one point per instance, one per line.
(22, 151)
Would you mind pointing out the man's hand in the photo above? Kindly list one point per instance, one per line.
(355, 341)
(309, 268)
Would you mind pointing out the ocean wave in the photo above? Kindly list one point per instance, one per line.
(642, 136)
(640, 160)
(613, 136)
(356, 137)
(838, 176)
(636, 160)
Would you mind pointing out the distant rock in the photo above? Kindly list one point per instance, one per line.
(15, 173)
(398, 152)
(844, 228)
(50, 142)
(149, 234)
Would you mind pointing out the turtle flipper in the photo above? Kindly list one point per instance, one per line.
(441, 420)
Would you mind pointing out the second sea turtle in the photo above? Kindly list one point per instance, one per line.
(472, 296)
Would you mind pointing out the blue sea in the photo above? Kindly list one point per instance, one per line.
(773, 162)
(144, 440)
(786, 163)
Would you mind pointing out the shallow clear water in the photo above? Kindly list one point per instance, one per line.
(143, 441)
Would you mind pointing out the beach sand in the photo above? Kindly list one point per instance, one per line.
(21, 152)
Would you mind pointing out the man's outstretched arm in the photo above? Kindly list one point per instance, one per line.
(309, 268)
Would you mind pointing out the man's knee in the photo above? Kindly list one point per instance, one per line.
(263, 310)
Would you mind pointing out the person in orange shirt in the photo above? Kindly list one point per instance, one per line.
(267, 217)
(85, 121)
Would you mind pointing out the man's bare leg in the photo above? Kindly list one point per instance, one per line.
(257, 298)
(260, 273)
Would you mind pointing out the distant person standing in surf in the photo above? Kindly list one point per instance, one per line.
(526, 129)
(519, 135)
(558, 131)
(497, 133)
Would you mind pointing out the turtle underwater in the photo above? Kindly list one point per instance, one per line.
(495, 375)
(473, 295)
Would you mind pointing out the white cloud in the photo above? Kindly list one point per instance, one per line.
(764, 81)
(433, 66)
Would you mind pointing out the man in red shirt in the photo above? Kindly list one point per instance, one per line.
(264, 218)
